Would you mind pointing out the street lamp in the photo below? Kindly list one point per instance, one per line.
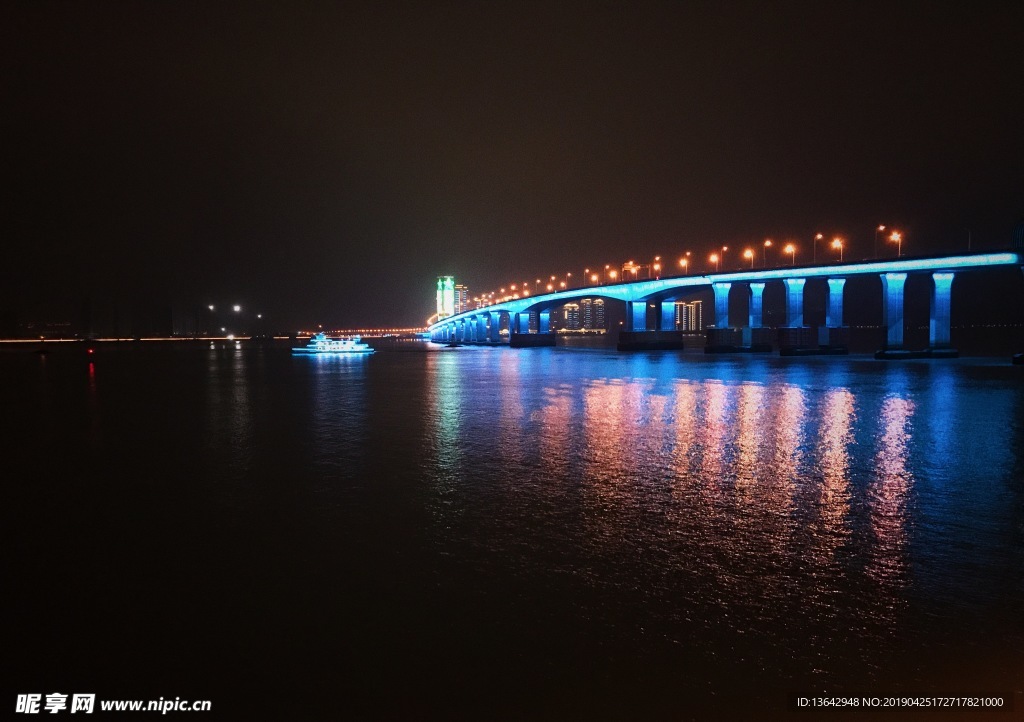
(749, 254)
(897, 238)
(837, 243)
(657, 266)
(593, 278)
(236, 308)
(685, 263)
(724, 249)
(764, 251)
(714, 259)
(791, 250)
(612, 274)
(878, 230)
(814, 249)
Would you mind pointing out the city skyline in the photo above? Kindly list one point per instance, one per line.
(286, 160)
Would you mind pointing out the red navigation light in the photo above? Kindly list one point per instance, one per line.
(91, 350)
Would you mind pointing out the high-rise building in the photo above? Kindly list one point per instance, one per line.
(462, 299)
(445, 296)
(572, 316)
(690, 316)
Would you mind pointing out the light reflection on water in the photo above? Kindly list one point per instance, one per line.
(778, 503)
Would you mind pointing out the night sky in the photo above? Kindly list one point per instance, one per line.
(325, 162)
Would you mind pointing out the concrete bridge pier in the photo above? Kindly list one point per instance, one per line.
(939, 316)
(794, 336)
(494, 328)
(667, 316)
(756, 337)
(519, 332)
(834, 336)
(544, 321)
(720, 337)
(636, 315)
(637, 337)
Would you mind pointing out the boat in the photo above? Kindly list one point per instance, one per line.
(321, 344)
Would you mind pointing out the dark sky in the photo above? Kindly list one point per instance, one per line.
(325, 162)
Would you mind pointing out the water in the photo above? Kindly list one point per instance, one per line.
(491, 533)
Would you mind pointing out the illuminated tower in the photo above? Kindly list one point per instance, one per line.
(587, 313)
(572, 316)
(689, 316)
(461, 298)
(599, 313)
(445, 296)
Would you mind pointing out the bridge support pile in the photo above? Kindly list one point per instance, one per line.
(939, 318)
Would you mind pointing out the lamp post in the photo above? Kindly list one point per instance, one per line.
(749, 254)
(838, 244)
(814, 248)
(714, 259)
(791, 250)
(724, 249)
(897, 238)
(657, 267)
(764, 252)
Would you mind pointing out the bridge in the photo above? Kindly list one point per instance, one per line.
(485, 325)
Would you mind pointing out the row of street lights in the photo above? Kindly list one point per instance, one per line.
(654, 269)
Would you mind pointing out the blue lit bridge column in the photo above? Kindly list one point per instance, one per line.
(832, 334)
(755, 336)
(494, 331)
(794, 335)
(637, 315)
(544, 321)
(523, 322)
(795, 302)
(756, 305)
(720, 337)
(668, 316)
(892, 308)
(938, 327)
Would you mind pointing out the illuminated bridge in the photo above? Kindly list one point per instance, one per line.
(509, 321)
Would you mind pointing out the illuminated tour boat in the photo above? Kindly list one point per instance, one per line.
(320, 344)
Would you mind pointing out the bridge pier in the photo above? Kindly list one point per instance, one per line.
(637, 315)
(938, 322)
(755, 337)
(544, 321)
(794, 337)
(833, 335)
(721, 338)
(668, 316)
(494, 329)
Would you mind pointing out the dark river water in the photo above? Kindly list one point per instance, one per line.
(500, 534)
